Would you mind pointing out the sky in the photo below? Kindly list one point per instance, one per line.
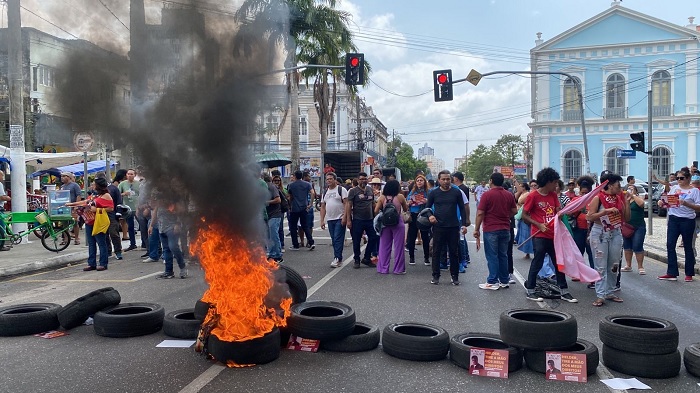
(404, 41)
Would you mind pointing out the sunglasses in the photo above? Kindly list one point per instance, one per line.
(680, 178)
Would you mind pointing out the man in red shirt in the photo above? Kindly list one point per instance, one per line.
(495, 209)
(540, 211)
(570, 192)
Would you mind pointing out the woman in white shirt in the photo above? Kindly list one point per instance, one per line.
(681, 222)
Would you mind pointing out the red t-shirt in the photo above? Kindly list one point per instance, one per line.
(542, 208)
(496, 204)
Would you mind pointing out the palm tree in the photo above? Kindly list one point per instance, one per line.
(295, 24)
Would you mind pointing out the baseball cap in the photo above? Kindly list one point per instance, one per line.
(695, 178)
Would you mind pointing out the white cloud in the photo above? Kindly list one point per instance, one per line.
(375, 34)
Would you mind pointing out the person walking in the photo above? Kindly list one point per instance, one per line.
(458, 180)
(495, 210)
(129, 189)
(445, 202)
(301, 195)
(681, 222)
(274, 220)
(635, 244)
(539, 210)
(359, 215)
(392, 237)
(333, 214)
(606, 208)
(417, 198)
(167, 210)
(68, 183)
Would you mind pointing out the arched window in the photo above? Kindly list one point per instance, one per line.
(661, 94)
(572, 109)
(613, 163)
(573, 161)
(661, 161)
(615, 97)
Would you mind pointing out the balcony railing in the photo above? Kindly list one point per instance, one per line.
(662, 110)
(571, 114)
(615, 113)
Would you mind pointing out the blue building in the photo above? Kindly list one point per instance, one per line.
(617, 56)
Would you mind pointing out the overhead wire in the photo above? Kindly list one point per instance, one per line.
(114, 15)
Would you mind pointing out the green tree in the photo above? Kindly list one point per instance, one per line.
(481, 162)
(404, 159)
(511, 148)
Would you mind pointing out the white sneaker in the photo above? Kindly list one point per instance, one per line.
(511, 279)
(493, 287)
(336, 262)
(149, 259)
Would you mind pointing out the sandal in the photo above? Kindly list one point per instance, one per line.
(614, 299)
(626, 269)
(598, 302)
(642, 271)
(77, 242)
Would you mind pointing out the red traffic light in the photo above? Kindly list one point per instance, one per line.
(442, 79)
(354, 61)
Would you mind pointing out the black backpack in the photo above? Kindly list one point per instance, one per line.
(390, 216)
(284, 202)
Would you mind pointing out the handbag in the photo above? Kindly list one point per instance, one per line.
(627, 230)
(519, 214)
(406, 217)
(101, 224)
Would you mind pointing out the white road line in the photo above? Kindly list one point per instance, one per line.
(330, 275)
(203, 379)
(146, 276)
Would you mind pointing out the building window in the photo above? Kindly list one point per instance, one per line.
(572, 110)
(661, 161)
(661, 94)
(331, 128)
(615, 97)
(573, 161)
(613, 163)
(46, 76)
(303, 127)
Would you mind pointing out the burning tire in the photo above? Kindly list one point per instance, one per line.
(77, 311)
(415, 341)
(200, 310)
(536, 362)
(666, 365)
(321, 320)
(129, 320)
(538, 329)
(30, 318)
(461, 345)
(297, 285)
(691, 359)
(364, 337)
(259, 350)
(181, 324)
(638, 334)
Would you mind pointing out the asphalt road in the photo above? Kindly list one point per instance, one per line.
(85, 362)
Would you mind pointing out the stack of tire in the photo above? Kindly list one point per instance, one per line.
(540, 331)
(640, 346)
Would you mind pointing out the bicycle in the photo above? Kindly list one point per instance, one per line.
(54, 234)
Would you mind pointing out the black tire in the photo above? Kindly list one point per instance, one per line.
(76, 312)
(538, 329)
(461, 345)
(55, 245)
(181, 324)
(691, 359)
(666, 365)
(415, 341)
(638, 334)
(29, 318)
(260, 350)
(535, 360)
(364, 337)
(297, 285)
(321, 320)
(129, 320)
(200, 310)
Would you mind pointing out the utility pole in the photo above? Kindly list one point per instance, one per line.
(359, 124)
(466, 154)
(650, 162)
(15, 81)
(138, 64)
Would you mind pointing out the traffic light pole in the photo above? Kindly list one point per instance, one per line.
(650, 150)
(577, 83)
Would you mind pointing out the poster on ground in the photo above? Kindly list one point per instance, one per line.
(565, 366)
(486, 362)
(297, 343)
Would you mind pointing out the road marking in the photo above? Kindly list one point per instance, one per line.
(330, 275)
(85, 280)
(203, 379)
(146, 276)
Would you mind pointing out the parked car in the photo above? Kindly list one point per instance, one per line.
(655, 196)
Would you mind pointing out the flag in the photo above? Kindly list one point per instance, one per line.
(569, 259)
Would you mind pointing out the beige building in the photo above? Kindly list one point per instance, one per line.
(435, 164)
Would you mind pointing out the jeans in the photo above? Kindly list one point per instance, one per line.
(543, 247)
(496, 252)
(636, 242)
(359, 226)
(132, 229)
(171, 248)
(413, 235)
(154, 248)
(280, 232)
(445, 237)
(296, 217)
(685, 228)
(337, 232)
(607, 251)
(274, 249)
(99, 240)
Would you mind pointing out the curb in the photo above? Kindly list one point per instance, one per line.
(56, 261)
(664, 259)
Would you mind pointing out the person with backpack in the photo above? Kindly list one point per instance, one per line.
(333, 213)
(359, 215)
(391, 204)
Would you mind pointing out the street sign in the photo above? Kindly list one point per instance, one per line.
(626, 153)
(474, 77)
(83, 141)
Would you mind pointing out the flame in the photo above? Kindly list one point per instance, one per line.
(239, 277)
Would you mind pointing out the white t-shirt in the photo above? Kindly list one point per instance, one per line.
(692, 194)
(334, 202)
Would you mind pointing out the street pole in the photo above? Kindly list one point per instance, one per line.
(650, 162)
(85, 173)
(15, 81)
(359, 124)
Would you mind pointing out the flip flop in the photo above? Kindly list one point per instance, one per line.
(626, 269)
(642, 272)
(614, 299)
(598, 302)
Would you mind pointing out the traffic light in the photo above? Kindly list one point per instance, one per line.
(442, 85)
(638, 144)
(355, 69)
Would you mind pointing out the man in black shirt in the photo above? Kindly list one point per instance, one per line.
(359, 213)
(445, 202)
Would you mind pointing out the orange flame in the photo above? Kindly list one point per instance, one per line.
(239, 277)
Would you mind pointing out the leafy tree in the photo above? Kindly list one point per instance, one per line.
(511, 148)
(481, 162)
(404, 159)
